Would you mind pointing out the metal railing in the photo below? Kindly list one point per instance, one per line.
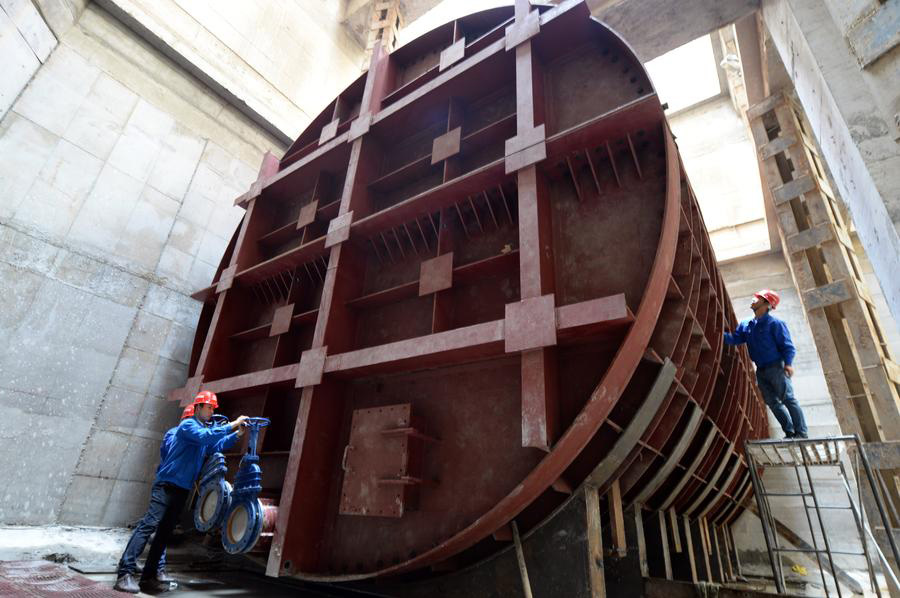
(803, 455)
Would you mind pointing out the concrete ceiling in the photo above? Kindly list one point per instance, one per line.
(357, 15)
(651, 27)
(413, 9)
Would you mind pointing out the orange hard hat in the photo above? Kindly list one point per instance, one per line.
(206, 397)
(770, 296)
(188, 412)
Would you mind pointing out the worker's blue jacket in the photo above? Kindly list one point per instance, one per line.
(165, 446)
(767, 338)
(189, 445)
(169, 438)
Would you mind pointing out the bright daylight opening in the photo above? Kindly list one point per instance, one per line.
(685, 75)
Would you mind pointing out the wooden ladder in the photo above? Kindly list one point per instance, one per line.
(861, 376)
(386, 21)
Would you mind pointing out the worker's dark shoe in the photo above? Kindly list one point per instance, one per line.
(161, 575)
(156, 586)
(799, 436)
(126, 583)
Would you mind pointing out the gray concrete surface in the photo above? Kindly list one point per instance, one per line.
(25, 43)
(200, 571)
(720, 160)
(846, 107)
(282, 61)
(117, 179)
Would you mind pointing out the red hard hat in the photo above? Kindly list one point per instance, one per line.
(188, 412)
(206, 397)
(770, 296)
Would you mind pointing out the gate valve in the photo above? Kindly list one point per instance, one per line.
(244, 521)
(214, 496)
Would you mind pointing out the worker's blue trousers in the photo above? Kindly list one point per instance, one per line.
(159, 500)
(778, 393)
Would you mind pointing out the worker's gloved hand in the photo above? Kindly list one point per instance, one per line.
(241, 430)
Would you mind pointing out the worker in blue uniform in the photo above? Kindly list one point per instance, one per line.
(149, 522)
(182, 453)
(147, 525)
(771, 349)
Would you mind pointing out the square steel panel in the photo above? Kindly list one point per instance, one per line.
(530, 324)
(226, 279)
(452, 54)
(372, 457)
(525, 149)
(436, 274)
(446, 145)
(311, 368)
(339, 229)
(524, 158)
(360, 126)
(522, 31)
(329, 131)
(525, 140)
(307, 214)
(185, 395)
(281, 320)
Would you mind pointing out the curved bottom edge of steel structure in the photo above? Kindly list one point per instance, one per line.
(716, 503)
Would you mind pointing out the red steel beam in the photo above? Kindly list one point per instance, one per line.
(480, 341)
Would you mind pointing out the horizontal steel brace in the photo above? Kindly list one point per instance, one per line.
(479, 341)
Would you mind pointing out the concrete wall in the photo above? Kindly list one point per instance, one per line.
(871, 32)
(25, 43)
(117, 175)
(720, 160)
(285, 61)
(857, 138)
(849, 110)
(424, 15)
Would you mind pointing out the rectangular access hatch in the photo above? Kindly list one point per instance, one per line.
(383, 462)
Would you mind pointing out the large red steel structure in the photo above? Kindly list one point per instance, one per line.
(477, 280)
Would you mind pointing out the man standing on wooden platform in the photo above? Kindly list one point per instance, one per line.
(771, 349)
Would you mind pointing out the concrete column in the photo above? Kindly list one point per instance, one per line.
(856, 139)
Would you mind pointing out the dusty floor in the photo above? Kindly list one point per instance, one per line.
(94, 552)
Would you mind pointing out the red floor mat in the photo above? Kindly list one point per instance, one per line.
(41, 579)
